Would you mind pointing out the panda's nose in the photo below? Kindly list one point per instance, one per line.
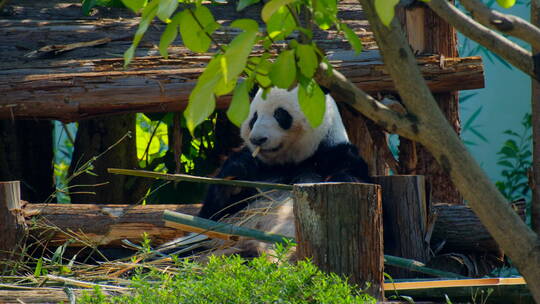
(257, 141)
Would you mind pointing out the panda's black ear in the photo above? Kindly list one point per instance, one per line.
(253, 91)
(325, 89)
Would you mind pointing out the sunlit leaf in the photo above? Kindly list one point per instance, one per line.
(312, 102)
(385, 10)
(135, 5)
(196, 32)
(169, 35)
(307, 59)
(235, 58)
(506, 3)
(324, 13)
(239, 109)
(166, 8)
(283, 71)
(353, 39)
(281, 24)
(271, 7)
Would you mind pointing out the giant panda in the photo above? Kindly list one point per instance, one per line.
(289, 151)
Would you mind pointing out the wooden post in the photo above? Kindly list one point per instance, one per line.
(12, 225)
(339, 226)
(404, 204)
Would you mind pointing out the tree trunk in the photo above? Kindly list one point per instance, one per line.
(26, 154)
(427, 33)
(102, 137)
(405, 219)
(535, 102)
(339, 226)
(12, 223)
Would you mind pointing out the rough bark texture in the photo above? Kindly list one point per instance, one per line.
(370, 140)
(94, 138)
(105, 225)
(427, 33)
(405, 218)
(462, 231)
(26, 154)
(339, 226)
(13, 231)
(77, 89)
(535, 102)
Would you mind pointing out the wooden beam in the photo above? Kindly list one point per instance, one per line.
(13, 228)
(77, 89)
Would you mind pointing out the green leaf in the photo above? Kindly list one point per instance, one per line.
(166, 8)
(307, 59)
(235, 58)
(505, 163)
(169, 35)
(281, 24)
(87, 5)
(39, 266)
(312, 102)
(148, 14)
(239, 109)
(283, 71)
(385, 10)
(195, 32)
(324, 13)
(353, 39)
(202, 101)
(248, 25)
(506, 3)
(271, 7)
(242, 4)
(135, 5)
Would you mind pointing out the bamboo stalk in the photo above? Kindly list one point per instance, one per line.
(199, 224)
(199, 179)
(225, 231)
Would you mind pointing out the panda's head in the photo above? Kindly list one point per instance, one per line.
(279, 127)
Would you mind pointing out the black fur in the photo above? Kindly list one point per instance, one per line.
(283, 118)
(340, 163)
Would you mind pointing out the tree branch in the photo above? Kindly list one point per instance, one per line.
(511, 52)
(508, 24)
(348, 92)
(434, 132)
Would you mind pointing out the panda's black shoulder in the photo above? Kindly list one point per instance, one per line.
(340, 163)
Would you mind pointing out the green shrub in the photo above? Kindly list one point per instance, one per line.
(236, 280)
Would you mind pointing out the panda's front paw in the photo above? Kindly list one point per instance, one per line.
(240, 165)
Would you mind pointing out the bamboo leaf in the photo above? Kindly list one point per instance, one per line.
(166, 8)
(135, 5)
(169, 35)
(149, 12)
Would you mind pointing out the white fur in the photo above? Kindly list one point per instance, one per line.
(301, 140)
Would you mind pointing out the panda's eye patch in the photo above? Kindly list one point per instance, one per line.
(283, 118)
(253, 120)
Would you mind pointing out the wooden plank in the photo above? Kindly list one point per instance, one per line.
(453, 283)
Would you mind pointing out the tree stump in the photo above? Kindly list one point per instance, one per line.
(404, 204)
(12, 224)
(339, 226)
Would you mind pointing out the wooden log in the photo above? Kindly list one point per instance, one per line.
(105, 225)
(12, 225)
(405, 216)
(462, 231)
(78, 89)
(338, 226)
